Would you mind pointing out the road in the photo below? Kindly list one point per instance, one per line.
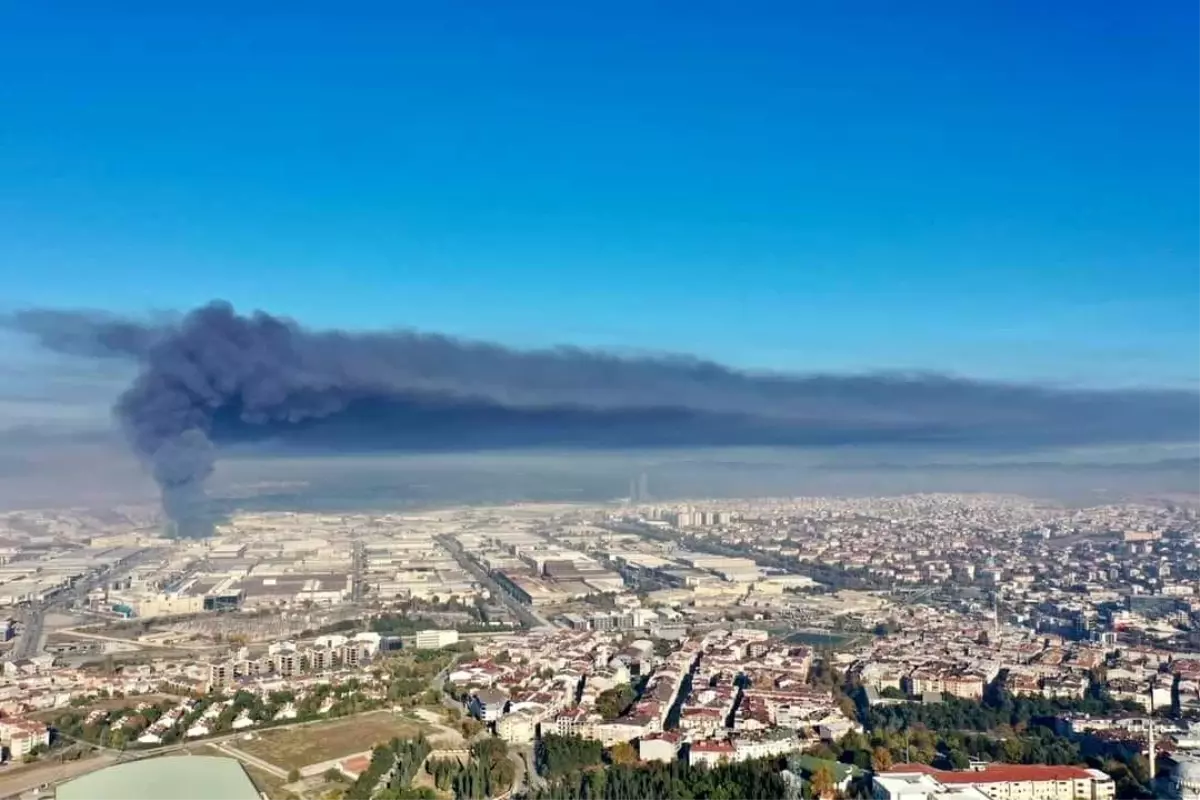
(16, 781)
(130, 644)
(527, 616)
(520, 755)
(518, 775)
(438, 684)
(31, 639)
(525, 778)
(254, 761)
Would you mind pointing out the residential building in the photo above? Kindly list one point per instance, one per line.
(997, 782)
(435, 639)
(488, 704)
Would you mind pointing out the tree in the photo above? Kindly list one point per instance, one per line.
(294, 775)
(334, 775)
(1139, 767)
(823, 784)
(853, 740)
(664, 647)
(1013, 750)
(846, 705)
(612, 702)
(881, 759)
(623, 753)
(823, 751)
(560, 755)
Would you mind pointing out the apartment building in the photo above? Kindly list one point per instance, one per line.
(488, 705)
(20, 736)
(435, 639)
(997, 782)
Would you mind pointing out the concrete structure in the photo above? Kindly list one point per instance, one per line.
(517, 728)
(1183, 781)
(488, 705)
(918, 786)
(997, 782)
(710, 752)
(20, 736)
(435, 639)
(662, 747)
(149, 606)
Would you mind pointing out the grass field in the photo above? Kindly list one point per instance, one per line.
(310, 744)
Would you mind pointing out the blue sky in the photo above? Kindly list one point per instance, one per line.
(997, 189)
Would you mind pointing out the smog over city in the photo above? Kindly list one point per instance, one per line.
(214, 377)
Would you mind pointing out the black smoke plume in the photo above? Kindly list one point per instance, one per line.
(214, 377)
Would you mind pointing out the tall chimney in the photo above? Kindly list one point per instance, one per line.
(1153, 753)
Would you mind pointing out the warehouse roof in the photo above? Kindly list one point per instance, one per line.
(167, 778)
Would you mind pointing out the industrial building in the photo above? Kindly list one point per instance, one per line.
(167, 778)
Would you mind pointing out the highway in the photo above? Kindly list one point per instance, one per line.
(30, 640)
(528, 617)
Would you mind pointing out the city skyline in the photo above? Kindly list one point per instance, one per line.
(529, 401)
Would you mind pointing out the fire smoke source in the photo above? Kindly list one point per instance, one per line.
(214, 377)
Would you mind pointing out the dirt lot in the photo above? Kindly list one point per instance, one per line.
(267, 784)
(311, 744)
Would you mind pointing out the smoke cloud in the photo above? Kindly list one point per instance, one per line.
(214, 377)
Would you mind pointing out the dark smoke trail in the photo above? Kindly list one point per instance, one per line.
(214, 376)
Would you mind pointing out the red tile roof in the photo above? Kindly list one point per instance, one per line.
(1000, 773)
(712, 747)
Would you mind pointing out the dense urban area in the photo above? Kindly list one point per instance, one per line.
(958, 647)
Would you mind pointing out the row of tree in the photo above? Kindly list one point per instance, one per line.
(560, 755)
(395, 764)
(998, 708)
(487, 773)
(1000, 727)
(748, 780)
(880, 749)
